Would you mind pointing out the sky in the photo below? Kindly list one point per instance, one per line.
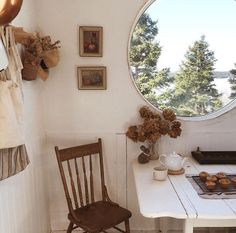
(181, 22)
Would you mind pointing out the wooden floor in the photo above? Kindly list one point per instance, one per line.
(213, 230)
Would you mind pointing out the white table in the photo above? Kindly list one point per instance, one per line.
(176, 197)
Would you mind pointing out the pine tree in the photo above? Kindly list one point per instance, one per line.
(195, 92)
(144, 54)
(232, 81)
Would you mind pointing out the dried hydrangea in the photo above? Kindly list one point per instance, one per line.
(164, 127)
(143, 158)
(132, 133)
(157, 117)
(145, 112)
(169, 114)
(141, 136)
(154, 126)
(151, 126)
(174, 133)
(154, 137)
(175, 124)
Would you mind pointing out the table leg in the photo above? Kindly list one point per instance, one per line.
(188, 226)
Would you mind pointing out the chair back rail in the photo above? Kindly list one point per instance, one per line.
(77, 167)
(79, 151)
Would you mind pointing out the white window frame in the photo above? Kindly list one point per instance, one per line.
(209, 116)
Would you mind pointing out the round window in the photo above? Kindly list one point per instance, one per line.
(182, 56)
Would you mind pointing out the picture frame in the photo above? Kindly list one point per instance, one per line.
(92, 77)
(90, 41)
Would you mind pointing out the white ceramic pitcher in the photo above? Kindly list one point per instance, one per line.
(173, 161)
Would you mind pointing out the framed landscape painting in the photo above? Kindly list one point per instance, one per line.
(90, 41)
(92, 78)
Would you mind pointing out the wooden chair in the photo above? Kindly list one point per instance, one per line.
(84, 211)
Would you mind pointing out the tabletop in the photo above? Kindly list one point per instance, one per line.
(176, 197)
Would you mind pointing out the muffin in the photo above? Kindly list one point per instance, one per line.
(224, 183)
(203, 175)
(211, 178)
(233, 180)
(221, 175)
(210, 185)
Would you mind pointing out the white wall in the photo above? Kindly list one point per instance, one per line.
(73, 116)
(24, 197)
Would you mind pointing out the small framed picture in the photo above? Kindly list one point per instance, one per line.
(90, 41)
(92, 78)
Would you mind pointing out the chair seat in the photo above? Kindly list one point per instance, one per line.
(100, 215)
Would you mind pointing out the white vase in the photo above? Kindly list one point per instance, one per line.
(153, 154)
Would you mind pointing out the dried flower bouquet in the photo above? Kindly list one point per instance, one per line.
(154, 125)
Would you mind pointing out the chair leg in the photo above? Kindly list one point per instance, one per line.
(127, 229)
(70, 227)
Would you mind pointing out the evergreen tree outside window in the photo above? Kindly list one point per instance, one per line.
(144, 54)
(201, 81)
(195, 92)
(232, 81)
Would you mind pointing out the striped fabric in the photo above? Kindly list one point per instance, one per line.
(12, 161)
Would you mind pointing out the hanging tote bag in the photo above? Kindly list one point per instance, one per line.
(13, 153)
(11, 102)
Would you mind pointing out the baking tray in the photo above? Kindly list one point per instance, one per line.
(230, 189)
(214, 157)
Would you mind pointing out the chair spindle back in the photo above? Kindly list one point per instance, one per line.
(73, 163)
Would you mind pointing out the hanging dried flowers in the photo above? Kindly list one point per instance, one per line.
(40, 54)
(152, 128)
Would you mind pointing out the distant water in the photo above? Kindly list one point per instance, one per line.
(223, 86)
